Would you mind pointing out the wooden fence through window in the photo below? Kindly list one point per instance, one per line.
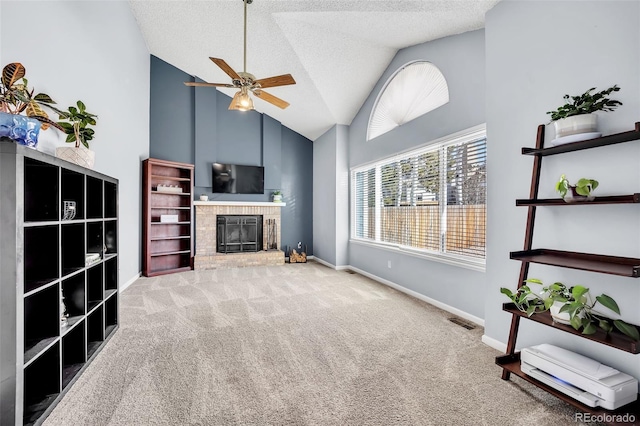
(419, 227)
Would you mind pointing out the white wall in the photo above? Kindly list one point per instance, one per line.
(331, 196)
(342, 195)
(92, 51)
(324, 197)
(461, 59)
(537, 52)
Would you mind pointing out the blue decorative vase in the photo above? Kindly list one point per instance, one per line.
(21, 129)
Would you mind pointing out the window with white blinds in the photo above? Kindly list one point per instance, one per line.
(430, 200)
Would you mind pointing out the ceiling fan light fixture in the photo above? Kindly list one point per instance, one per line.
(241, 101)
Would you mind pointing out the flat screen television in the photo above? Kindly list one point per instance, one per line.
(237, 179)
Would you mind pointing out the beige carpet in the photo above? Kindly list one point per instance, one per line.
(296, 344)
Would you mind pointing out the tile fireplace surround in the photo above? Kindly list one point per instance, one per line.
(206, 215)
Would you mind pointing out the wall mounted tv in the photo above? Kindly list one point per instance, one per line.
(237, 179)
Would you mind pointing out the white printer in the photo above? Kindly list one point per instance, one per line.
(582, 378)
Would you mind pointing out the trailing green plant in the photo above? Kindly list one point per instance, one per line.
(77, 124)
(582, 187)
(525, 300)
(276, 192)
(16, 97)
(577, 302)
(586, 103)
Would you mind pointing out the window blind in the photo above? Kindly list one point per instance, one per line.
(431, 199)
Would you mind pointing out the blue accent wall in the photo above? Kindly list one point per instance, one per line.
(193, 125)
(171, 113)
(297, 190)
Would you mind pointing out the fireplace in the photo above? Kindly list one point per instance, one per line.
(239, 233)
(211, 255)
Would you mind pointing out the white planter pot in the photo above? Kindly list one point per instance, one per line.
(277, 198)
(584, 123)
(562, 318)
(81, 156)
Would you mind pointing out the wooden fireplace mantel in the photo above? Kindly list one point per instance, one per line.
(239, 203)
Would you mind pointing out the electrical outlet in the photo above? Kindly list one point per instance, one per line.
(389, 264)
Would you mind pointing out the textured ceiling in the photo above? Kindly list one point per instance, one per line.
(335, 50)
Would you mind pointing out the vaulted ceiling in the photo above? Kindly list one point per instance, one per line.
(336, 50)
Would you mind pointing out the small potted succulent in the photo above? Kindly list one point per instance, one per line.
(277, 196)
(17, 99)
(576, 116)
(581, 191)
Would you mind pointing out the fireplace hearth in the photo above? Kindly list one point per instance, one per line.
(239, 233)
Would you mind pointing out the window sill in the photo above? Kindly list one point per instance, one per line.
(476, 265)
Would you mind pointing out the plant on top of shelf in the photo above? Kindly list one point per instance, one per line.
(574, 121)
(16, 99)
(76, 124)
(583, 187)
(577, 302)
(277, 196)
(586, 103)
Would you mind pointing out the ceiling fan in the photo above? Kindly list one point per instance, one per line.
(247, 82)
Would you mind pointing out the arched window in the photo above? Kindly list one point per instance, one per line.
(414, 90)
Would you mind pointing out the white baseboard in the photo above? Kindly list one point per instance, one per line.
(495, 344)
(330, 265)
(124, 286)
(436, 303)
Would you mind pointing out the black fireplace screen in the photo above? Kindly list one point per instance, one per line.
(239, 233)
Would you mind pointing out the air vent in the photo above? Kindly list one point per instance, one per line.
(349, 271)
(462, 323)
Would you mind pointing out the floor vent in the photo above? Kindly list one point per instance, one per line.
(462, 323)
(349, 271)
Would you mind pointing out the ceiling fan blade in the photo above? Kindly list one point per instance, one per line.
(271, 99)
(197, 84)
(226, 68)
(279, 80)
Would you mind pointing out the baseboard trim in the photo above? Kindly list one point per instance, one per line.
(124, 286)
(329, 265)
(495, 344)
(462, 314)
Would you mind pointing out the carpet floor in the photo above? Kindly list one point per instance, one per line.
(294, 345)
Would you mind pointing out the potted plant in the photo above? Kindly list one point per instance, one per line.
(75, 124)
(277, 196)
(581, 191)
(15, 99)
(575, 120)
(576, 301)
(554, 298)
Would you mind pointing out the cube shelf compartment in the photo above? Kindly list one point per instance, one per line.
(110, 312)
(73, 353)
(41, 265)
(40, 191)
(94, 198)
(95, 292)
(41, 384)
(47, 271)
(41, 321)
(73, 191)
(95, 331)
